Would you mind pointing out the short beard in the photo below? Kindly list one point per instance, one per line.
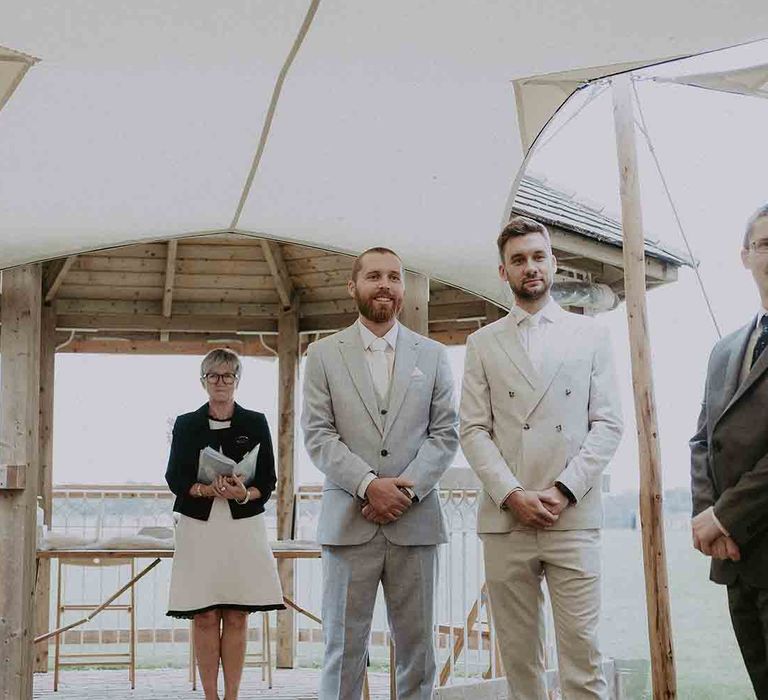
(523, 293)
(367, 309)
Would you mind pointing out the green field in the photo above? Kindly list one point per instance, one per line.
(709, 666)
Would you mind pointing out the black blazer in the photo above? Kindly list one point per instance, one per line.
(191, 434)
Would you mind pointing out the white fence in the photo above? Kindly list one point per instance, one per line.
(463, 636)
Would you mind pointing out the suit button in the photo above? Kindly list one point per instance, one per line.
(559, 428)
(384, 453)
(383, 411)
(567, 392)
(511, 394)
(526, 427)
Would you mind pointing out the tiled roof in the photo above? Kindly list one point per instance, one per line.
(543, 202)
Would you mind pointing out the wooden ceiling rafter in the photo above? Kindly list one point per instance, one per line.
(54, 275)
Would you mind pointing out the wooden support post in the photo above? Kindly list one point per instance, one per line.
(288, 365)
(45, 481)
(651, 492)
(19, 445)
(415, 312)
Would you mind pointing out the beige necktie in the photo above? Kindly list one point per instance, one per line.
(380, 368)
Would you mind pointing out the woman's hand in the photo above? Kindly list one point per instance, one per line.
(202, 491)
(236, 484)
(230, 487)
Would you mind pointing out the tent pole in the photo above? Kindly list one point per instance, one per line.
(651, 492)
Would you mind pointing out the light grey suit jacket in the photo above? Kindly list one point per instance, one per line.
(729, 457)
(347, 435)
(529, 429)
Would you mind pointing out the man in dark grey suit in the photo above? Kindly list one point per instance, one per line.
(729, 467)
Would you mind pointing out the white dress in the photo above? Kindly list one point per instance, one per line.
(223, 563)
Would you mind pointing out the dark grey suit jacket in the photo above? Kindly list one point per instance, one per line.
(729, 457)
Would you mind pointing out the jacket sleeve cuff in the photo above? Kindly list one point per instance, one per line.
(364, 484)
(503, 504)
(719, 524)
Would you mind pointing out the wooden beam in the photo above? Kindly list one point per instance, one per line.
(415, 313)
(493, 312)
(117, 322)
(19, 445)
(45, 481)
(456, 312)
(153, 346)
(288, 368)
(13, 477)
(651, 489)
(170, 275)
(605, 253)
(93, 307)
(332, 322)
(283, 283)
(55, 273)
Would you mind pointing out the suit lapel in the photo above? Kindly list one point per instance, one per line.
(731, 388)
(351, 348)
(405, 361)
(556, 349)
(508, 338)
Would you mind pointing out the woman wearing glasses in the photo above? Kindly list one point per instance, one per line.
(223, 567)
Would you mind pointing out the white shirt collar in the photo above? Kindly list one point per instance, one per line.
(548, 313)
(367, 336)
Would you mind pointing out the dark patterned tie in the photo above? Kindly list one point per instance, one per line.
(762, 339)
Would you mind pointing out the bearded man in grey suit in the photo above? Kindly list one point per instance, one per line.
(729, 467)
(379, 421)
(540, 420)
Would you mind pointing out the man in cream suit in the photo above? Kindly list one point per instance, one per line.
(379, 421)
(729, 467)
(540, 420)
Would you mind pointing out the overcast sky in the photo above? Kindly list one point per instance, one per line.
(112, 412)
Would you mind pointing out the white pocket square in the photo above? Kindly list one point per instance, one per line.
(416, 373)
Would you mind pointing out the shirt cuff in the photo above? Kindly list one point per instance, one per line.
(503, 503)
(367, 479)
(719, 524)
(562, 488)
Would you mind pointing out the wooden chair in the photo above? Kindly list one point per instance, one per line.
(111, 659)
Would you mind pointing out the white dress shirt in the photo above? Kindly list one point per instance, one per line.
(380, 384)
(370, 340)
(534, 329)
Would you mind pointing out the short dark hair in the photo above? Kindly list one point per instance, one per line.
(761, 213)
(520, 226)
(358, 264)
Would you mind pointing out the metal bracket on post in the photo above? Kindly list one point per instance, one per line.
(13, 477)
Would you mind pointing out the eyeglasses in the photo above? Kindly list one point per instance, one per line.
(760, 247)
(214, 378)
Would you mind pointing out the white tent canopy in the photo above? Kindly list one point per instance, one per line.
(397, 123)
(751, 81)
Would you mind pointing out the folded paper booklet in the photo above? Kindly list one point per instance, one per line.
(212, 463)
